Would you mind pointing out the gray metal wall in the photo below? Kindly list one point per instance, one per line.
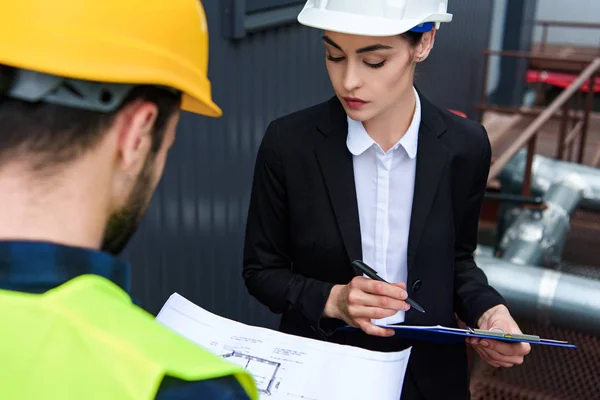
(496, 40)
(191, 239)
(453, 75)
(519, 27)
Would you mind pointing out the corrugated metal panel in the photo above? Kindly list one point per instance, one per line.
(518, 35)
(191, 240)
(453, 74)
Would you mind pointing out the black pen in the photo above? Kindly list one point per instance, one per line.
(371, 273)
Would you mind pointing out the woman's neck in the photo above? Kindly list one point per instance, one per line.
(389, 127)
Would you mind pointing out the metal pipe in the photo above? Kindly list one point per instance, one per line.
(544, 295)
(546, 171)
(537, 237)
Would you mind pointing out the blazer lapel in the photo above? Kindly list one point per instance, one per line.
(432, 156)
(338, 172)
(337, 168)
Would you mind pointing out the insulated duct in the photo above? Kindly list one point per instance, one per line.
(547, 296)
(537, 237)
(546, 171)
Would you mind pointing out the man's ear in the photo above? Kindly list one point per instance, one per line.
(135, 125)
(425, 46)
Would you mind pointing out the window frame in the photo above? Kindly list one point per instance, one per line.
(253, 6)
(242, 17)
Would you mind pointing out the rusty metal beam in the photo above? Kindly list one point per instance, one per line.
(543, 118)
(576, 131)
(536, 56)
(568, 24)
(589, 103)
(531, 112)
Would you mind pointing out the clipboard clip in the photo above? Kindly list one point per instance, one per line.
(499, 333)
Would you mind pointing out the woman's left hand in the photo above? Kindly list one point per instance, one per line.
(495, 352)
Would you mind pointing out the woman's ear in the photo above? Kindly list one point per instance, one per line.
(424, 47)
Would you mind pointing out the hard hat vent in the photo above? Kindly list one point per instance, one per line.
(34, 86)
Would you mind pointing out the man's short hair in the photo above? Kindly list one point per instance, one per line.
(49, 134)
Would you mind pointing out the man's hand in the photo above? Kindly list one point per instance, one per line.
(498, 353)
(364, 299)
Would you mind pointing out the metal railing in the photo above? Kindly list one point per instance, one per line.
(579, 62)
(547, 24)
(528, 137)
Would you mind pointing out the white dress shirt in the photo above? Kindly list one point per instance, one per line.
(385, 187)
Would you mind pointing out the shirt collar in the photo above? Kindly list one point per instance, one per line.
(359, 141)
(36, 267)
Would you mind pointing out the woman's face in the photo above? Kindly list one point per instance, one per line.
(371, 74)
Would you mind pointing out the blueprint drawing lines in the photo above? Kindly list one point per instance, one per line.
(264, 371)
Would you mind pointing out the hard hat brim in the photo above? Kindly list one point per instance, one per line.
(205, 107)
(360, 24)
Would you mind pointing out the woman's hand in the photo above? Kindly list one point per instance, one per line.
(364, 299)
(495, 352)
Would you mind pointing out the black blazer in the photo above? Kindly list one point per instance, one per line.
(303, 231)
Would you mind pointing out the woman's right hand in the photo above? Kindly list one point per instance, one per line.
(364, 299)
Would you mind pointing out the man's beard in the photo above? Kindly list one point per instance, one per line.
(123, 223)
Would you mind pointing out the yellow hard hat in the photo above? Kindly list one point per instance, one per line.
(150, 42)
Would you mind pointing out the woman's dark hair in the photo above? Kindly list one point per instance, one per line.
(413, 38)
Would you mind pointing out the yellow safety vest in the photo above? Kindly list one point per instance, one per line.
(87, 340)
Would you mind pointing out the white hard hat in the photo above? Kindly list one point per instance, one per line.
(375, 17)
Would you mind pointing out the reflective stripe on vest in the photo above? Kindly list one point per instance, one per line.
(86, 340)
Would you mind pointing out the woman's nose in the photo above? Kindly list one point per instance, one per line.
(352, 78)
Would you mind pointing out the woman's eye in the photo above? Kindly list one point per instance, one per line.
(335, 59)
(378, 65)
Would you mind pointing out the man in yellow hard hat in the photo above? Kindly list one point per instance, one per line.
(90, 96)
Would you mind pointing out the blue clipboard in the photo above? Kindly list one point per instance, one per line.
(446, 335)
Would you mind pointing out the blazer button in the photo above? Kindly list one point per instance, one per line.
(416, 286)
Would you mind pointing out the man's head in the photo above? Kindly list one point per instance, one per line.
(90, 96)
(124, 149)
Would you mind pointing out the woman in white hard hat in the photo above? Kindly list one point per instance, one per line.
(378, 174)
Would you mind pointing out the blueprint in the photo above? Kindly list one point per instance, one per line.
(286, 366)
